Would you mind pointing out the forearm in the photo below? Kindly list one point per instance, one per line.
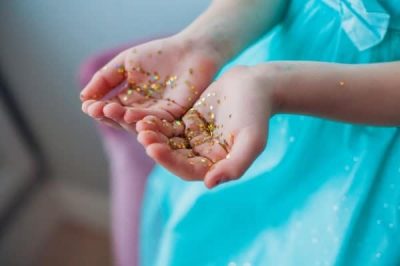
(367, 94)
(230, 25)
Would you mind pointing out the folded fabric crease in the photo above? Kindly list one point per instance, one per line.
(365, 23)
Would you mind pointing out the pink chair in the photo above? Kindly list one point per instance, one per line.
(129, 167)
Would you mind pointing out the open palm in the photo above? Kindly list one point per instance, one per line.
(161, 78)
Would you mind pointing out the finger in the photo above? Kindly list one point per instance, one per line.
(134, 114)
(170, 106)
(196, 140)
(248, 144)
(175, 161)
(149, 137)
(105, 79)
(95, 110)
(115, 112)
(178, 143)
(194, 124)
(212, 150)
(188, 153)
(169, 129)
(130, 96)
(86, 104)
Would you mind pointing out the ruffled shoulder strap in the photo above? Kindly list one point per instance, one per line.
(364, 22)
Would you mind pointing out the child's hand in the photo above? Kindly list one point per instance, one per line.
(161, 78)
(220, 137)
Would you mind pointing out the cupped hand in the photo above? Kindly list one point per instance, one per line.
(220, 136)
(161, 78)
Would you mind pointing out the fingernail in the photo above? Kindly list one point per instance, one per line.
(85, 107)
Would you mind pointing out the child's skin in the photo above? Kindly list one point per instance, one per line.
(248, 96)
(353, 93)
(216, 36)
(239, 132)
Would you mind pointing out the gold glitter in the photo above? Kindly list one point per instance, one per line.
(211, 127)
(121, 69)
(230, 137)
(171, 81)
(155, 86)
(125, 98)
(341, 83)
(155, 76)
(178, 123)
(228, 156)
(208, 94)
(175, 145)
(190, 155)
(129, 92)
(211, 107)
(203, 160)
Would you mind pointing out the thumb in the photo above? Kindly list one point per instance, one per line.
(247, 145)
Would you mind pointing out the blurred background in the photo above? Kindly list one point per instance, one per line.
(54, 178)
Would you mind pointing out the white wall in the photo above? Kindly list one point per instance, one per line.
(42, 43)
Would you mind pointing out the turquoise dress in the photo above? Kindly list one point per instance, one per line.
(322, 192)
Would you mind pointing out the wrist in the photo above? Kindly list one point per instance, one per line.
(273, 78)
(206, 42)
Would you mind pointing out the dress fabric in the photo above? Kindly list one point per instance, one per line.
(321, 193)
